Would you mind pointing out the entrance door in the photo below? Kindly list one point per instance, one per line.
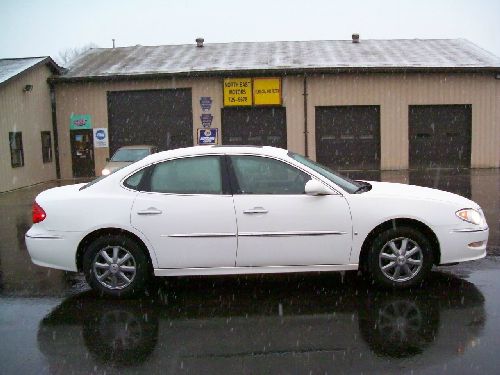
(254, 126)
(82, 153)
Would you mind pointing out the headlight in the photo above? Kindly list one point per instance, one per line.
(471, 216)
(105, 172)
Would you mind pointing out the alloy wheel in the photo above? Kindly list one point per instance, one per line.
(114, 267)
(401, 259)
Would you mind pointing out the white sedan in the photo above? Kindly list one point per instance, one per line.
(213, 210)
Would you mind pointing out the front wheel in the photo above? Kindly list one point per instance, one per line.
(400, 257)
(115, 265)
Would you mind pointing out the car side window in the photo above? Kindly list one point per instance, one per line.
(134, 181)
(260, 175)
(196, 175)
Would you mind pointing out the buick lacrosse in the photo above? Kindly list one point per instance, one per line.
(212, 210)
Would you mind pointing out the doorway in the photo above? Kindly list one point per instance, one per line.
(82, 153)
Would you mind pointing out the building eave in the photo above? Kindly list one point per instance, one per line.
(275, 71)
(48, 61)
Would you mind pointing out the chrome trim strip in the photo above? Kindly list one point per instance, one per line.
(251, 270)
(254, 234)
(469, 230)
(199, 235)
(45, 237)
(291, 233)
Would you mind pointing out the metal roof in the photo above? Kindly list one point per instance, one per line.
(10, 68)
(324, 55)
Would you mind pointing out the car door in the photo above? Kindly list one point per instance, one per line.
(280, 225)
(186, 213)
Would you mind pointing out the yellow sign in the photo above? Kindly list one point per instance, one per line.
(237, 92)
(267, 91)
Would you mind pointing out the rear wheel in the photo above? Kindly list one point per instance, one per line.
(400, 257)
(116, 265)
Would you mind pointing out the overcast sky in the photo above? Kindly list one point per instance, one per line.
(40, 28)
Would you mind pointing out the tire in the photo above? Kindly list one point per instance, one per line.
(404, 249)
(116, 266)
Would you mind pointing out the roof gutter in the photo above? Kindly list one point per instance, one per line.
(270, 72)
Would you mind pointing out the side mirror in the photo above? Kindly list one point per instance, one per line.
(107, 160)
(314, 187)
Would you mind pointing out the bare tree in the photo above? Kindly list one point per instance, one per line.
(68, 54)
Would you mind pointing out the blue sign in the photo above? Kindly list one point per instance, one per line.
(208, 136)
(206, 103)
(206, 120)
(100, 134)
(101, 137)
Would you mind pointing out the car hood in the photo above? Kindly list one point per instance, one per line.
(418, 193)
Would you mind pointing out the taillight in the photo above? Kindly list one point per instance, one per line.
(38, 214)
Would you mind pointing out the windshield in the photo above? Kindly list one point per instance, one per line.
(130, 154)
(345, 183)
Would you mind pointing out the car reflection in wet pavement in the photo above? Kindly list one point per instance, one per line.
(274, 324)
(266, 326)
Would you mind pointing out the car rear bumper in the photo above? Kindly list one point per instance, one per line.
(53, 249)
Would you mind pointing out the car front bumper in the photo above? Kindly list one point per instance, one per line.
(462, 244)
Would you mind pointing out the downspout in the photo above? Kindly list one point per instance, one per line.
(306, 141)
(54, 128)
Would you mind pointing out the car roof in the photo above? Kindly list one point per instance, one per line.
(216, 149)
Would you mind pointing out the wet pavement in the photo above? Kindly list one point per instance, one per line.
(50, 322)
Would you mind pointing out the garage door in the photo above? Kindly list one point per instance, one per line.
(157, 117)
(440, 136)
(348, 137)
(254, 126)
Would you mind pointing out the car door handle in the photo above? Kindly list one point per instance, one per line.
(256, 210)
(150, 211)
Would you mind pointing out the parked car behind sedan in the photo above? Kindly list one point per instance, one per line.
(236, 210)
(127, 155)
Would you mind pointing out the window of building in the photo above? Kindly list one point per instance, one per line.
(46, 147)
(16, 149)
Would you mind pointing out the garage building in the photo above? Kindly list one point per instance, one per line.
(351, 104)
